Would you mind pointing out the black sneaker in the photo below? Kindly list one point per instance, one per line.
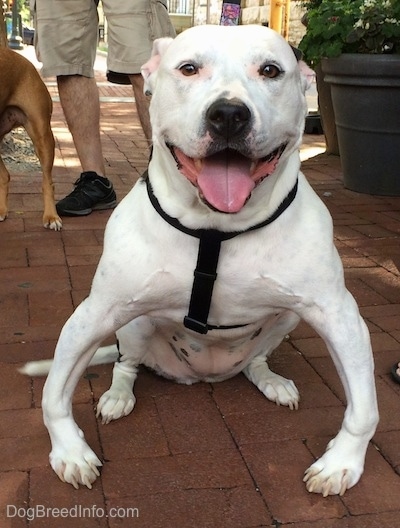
(92, 192)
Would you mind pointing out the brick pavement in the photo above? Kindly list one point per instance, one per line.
(208, 455)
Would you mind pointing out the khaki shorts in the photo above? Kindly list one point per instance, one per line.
(67, 34)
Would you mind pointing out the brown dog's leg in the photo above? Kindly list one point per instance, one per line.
(38, 127)
(4, 180)
(43, 141)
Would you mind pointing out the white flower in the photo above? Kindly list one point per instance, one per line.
(392, 21)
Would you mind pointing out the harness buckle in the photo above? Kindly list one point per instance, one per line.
(201, 275)
(196, 326)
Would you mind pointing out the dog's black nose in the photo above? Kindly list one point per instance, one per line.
(228, 118)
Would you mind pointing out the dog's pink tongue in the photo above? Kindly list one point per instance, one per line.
(225, 182)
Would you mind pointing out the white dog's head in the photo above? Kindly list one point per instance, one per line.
(229, 104)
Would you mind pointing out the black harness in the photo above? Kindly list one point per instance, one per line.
(205, 273)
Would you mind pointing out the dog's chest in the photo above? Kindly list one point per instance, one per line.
(240, 294)
(251, 283)
(248, 301)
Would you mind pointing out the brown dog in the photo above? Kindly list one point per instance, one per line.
(25, 101)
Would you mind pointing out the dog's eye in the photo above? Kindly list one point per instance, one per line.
(188, 69)
(270, 71)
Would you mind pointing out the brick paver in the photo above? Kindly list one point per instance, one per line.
(209, 455)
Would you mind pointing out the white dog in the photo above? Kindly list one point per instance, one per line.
(224, 196)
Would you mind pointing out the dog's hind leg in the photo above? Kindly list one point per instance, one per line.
(5, 127)
(119, 400)
(4, 181)
(276, 388)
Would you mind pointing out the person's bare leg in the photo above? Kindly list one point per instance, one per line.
(79, 97)
(142, 104)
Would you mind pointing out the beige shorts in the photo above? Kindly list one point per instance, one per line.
(67, 34)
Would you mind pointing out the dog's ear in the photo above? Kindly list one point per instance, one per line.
(297, 53)
(151, 66)
(307, 74)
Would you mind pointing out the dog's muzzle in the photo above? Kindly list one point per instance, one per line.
(227, 174)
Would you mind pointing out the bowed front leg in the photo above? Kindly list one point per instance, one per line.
(348, 342)
(71, 457)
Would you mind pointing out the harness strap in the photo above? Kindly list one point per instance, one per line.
(205, 273)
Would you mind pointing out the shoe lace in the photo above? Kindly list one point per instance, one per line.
(83, 179)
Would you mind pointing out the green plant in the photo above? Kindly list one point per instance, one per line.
(350, 26)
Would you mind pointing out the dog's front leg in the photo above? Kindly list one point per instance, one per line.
(347, 339)
(71, 457)
(119, 400)
(42, 137)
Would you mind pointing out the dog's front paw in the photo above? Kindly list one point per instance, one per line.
(340, 468)
(114, 404)
(52, 222)
(321, 479)
(76, 464)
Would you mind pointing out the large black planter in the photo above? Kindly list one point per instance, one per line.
(366, 100)
(325, 108)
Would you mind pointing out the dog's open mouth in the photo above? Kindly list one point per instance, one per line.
(226, 179)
